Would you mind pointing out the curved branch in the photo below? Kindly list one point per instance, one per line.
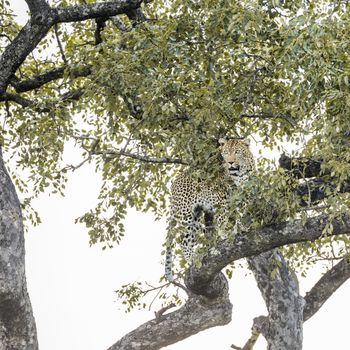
(198, 314)
(24, 43)
(41, 22)
(248, 244)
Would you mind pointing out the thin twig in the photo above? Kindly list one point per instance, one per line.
(177, 284)
(113, 153)
(159, 314)
(60, 44)
(315, 207)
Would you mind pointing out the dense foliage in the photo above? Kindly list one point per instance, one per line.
(143, 99)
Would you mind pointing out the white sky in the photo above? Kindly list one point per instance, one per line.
(71, 284)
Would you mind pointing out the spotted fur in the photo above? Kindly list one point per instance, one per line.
(190, 198)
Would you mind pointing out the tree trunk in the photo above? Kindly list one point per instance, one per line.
(283, 327)
(17, 325)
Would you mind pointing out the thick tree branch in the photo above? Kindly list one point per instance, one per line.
(301, 167)
(41, 22)
(24, 43)
(325, 287)
(24, 102)
(248, 244)
(44, 78)
(35, 6)
(199, 313)
(314, 299)
(100, 9)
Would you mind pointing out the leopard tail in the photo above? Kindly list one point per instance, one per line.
(168, 264)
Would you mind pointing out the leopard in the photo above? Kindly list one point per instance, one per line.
(192, 198)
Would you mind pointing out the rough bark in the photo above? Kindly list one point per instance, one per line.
(39, 80)
(283, 327)
(313, 300)
(199, 313)
(249, 244)
(17, 324)
(42, 19)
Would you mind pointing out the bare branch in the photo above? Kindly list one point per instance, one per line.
(112, 153)
(160, 312)
(60, 45)
(265, 115)
(325, 287)
(88, 11)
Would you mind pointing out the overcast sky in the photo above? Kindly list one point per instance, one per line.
(71, 284)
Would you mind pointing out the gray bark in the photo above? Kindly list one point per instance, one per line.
(248, 244)
(17, 325)
(283, 327)
(43, 17)
(199, 313)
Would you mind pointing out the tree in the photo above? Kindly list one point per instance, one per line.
(144, 89)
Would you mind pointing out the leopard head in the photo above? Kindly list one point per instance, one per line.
(238, 160)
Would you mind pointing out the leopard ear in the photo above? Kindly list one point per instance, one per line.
(246, 141)
(222, 141)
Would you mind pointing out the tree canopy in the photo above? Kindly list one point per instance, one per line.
(145, 89)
